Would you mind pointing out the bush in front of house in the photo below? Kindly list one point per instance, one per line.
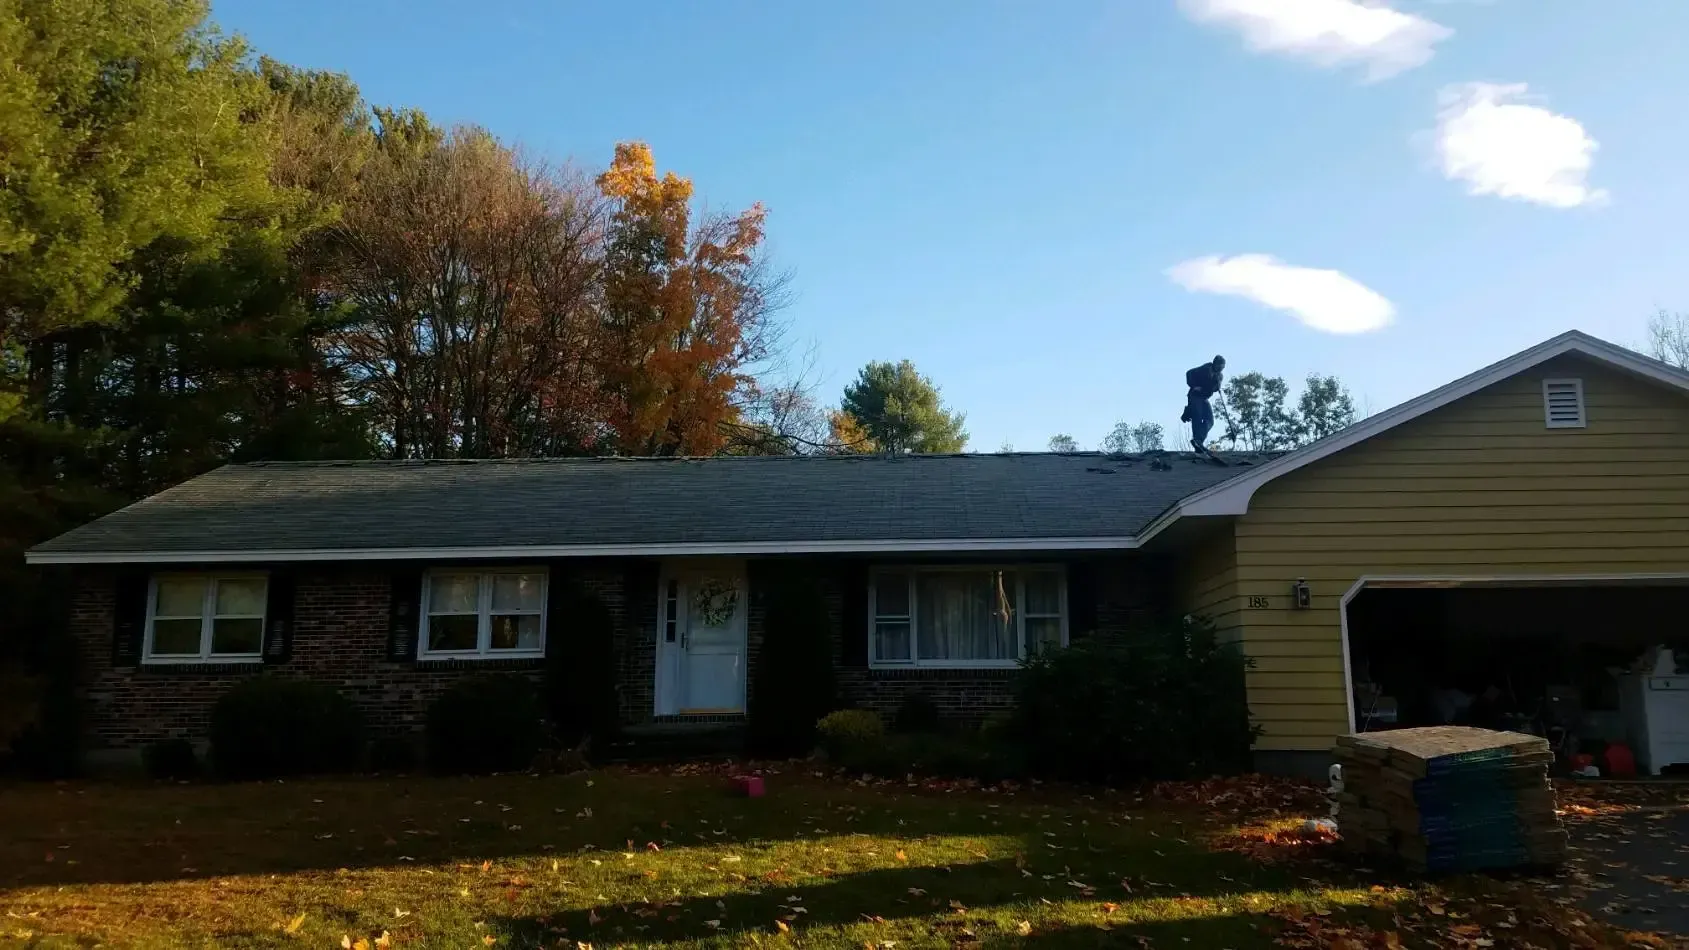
(1162, 702)
(488, 723)
(392, 754)
(170, 760)
(41, 715)
(580, 675)
(794, 684)
(267, 727)
(915, 714)
(842, 729)
(960, 755)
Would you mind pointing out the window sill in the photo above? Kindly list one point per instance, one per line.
(941, 672)
(523, 662)
(201, 666)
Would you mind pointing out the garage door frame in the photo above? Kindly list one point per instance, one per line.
(1408, 581)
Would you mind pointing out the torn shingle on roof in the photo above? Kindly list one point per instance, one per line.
(397, 505)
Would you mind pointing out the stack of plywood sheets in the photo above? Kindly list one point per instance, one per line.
(1449, 798)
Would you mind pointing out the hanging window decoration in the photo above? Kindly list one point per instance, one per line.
(714, 602)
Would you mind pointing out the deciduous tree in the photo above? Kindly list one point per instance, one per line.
(1126, 438)
(1063, 443)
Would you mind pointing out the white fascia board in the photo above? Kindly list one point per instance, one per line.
(739, 549)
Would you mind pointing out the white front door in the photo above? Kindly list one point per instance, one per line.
(701, 638)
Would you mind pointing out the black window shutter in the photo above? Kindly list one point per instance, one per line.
(129, 618)
(278, 613)
(1081, 599)
(403, 622)
(853, 616)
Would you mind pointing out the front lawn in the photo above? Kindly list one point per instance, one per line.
(617, 857)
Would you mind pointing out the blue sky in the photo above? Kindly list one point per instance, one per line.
(1042, 204)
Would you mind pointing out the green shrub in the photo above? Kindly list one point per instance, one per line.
(47, 731)
(483, 724)
(1158, 703)
(392, 754)
(580, 675)
(932, 754)
(917, 713)
(170, 760)
(843, 728)
(794, 684)
(265, 727)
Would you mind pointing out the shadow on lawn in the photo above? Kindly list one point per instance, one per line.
(959, 895)
(88, 834)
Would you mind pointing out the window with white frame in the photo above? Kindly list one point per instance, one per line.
(965, 616)
(196, 618)
(483, 614)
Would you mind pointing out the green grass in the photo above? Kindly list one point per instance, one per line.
(617, 858)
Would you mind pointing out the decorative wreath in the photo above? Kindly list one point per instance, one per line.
(715, 601)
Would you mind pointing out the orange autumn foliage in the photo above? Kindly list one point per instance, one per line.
(684, 311)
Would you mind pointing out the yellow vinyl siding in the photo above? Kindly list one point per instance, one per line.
(1208, 583)
(1480, 487)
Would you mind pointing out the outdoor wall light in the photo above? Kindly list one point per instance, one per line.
(1300, 594)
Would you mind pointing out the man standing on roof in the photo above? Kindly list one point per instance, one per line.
(1204, 382)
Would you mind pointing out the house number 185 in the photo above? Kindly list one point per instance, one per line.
(1258, 603)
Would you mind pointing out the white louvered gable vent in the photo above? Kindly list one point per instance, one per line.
(1562, 403)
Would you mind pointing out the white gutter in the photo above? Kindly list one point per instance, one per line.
(741, 548)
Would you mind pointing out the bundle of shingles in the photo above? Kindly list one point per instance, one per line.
(1449, 798)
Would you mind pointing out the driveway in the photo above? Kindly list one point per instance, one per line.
(1630, 859)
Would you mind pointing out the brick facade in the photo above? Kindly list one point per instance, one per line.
(341, 637)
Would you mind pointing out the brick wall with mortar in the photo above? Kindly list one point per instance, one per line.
(341, 637)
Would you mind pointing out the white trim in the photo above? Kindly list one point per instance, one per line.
(207, 619)
(534, 551)
(915, 663)
(483, 613)
(1232, 497)
(1548, 385)
(1462, 580)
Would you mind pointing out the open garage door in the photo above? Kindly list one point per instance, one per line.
(1578, 661)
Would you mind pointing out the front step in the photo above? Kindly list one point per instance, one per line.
(676, 742)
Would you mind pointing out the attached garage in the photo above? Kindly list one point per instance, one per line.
(1532, 518)
(1547, 655)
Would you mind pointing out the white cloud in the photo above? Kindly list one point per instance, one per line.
(1326, 300)
(1500, 145)
(1330, 33)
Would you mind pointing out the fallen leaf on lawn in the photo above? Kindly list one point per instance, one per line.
(292, 926)
(397, 913)
(592, 916)
(713, 924)
(916, 891)
(784, 927)
(1024, 928)
(345, 942)
(385, 940)
(901, 856)
(489, 940)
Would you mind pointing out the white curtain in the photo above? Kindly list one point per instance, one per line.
(965, 615)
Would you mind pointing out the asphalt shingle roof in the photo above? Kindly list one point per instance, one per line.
(556, 502)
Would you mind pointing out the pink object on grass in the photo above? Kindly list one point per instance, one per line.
(749, 786)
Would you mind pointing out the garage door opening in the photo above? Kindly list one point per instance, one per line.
(1578, 662)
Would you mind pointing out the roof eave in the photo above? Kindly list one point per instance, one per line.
(547, 552)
